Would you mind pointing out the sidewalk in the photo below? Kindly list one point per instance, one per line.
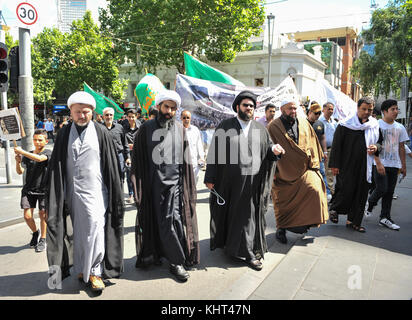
(333, 262)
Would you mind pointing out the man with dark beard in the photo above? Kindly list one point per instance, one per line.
(298, 192)
(165, 191)
(239, 169)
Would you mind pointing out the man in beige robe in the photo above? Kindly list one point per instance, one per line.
(298, 191)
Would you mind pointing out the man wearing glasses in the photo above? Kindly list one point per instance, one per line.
(195, 142)
(240, 165)
(314, 113)
(119, 138)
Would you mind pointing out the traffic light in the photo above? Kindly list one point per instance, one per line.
(14, 69)
(4, 68)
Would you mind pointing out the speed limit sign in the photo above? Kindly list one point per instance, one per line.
(26, 13)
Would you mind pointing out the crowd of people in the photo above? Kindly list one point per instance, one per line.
(313, 169)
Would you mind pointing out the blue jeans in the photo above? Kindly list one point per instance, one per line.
(322, 172)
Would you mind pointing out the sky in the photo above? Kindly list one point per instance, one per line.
(290, 15)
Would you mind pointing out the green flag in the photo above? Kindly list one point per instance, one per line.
(197, 69)
(103, 102)
(146, 91)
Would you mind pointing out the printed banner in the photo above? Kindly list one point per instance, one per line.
(210, 102)
(10, 124)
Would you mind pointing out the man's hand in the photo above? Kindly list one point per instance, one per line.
(403, 171)
(18, 150)
(128, 162)
(209, 185)
(372, 149)
(381, 169)
(335, 171)
(325, 155)
(277, 149)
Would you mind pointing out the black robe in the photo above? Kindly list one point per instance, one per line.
(59, 224)
(348, 154)
(238, 226)
(165, 194)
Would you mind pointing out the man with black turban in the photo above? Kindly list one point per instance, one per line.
(240, 166)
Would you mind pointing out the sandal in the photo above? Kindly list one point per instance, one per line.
(357, 228)
(334, 217)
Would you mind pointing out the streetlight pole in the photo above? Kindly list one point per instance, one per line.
(270, 17)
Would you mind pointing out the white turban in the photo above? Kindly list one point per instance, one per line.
(81, 97)
(288, 99)
(168, 95)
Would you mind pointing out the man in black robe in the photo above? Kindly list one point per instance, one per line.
(62, 206)
(240, 170)
(355, 142)
(165, 191)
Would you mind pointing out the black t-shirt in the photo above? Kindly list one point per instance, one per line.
(319, 128)
(36, 174)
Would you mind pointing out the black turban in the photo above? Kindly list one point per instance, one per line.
(244, 95)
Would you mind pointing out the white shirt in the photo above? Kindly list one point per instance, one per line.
(393, 134)
(195, 144)
(245, 125)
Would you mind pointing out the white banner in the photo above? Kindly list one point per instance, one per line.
(211, 102)
(344, 105)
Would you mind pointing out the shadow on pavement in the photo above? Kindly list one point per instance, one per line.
(10, 250)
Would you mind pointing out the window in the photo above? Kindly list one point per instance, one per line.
(259, 82)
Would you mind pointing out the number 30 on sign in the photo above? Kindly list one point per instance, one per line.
(26, 13)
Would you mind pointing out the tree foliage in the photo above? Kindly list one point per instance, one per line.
(152, 33)
(62, 62)
(391, 32)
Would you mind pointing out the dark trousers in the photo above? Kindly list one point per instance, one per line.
(384, 188)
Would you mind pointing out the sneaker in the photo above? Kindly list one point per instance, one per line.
(35, 239)
(387, 223)
(368, 213)
(41, 246)
(395, 196)
(394, 225)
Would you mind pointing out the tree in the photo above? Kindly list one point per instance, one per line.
(391, 33)
(153, 33)
(62, 62)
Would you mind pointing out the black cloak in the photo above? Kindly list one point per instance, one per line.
(239, 225)
(150, 245)
(59, 224)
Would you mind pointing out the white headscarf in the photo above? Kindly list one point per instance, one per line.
(371, 129)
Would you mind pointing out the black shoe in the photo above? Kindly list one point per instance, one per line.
(35, 239)
(281, 235)
(180, 272)
(254, 264)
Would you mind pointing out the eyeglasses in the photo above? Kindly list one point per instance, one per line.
(185, 117)
(317, 113)
(248, 105)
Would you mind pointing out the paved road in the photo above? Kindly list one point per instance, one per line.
(331, 262)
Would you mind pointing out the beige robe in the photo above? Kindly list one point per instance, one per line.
(298, 190)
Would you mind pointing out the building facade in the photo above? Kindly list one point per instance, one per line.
(68, 11)
(347, 38)
(251, 68)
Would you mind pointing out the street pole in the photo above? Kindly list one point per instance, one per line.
(270, 18)
(4, 107)
(26, 88)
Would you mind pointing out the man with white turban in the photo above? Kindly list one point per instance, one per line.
(85, 200)
(298, 191)
(165, 191)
